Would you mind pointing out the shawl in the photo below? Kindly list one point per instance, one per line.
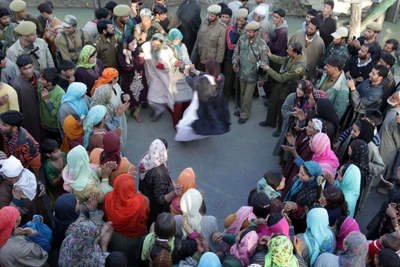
(148, 244)
(315, 170)
(78, 171)
(94, 117)
(9, 216)
(356, 251)
(106, 77)
(243, 214)
(127, 209)
(190, 203)
(84, 56)
(72, 131)
(394, 99)
(318, 236)
(187, 179)
(64, 215)
(360, 158)
(156, 156)
(280, 253)
(263, 186)
(209, 259)
(73, 97)
(366, 131)
(350, 186)
(102, 96)
(323, 154)
(326, 111)
(81, 248)
(246, 248)
(111, 149)
(349, 225)
(281, 227)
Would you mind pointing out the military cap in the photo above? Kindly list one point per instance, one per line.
(214, 9)
(69, 21)
(145, 13)
(374, 26)
(121, 10)
(241, 13)
(25, 28)
(252, 26)
(18, 6)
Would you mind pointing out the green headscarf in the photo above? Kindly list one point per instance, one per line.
(83, 60)
(280, 253)
(102, 96)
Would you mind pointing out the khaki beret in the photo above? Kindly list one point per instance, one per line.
(18, 6)
(214, 9)
(121, 10)
(374, 26)
(241, 13)
(25, 28)
(252, 26)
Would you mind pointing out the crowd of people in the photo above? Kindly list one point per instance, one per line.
(66, 94)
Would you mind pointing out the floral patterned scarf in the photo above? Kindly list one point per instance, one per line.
(356, 251)
(280, 253)
(156, 156)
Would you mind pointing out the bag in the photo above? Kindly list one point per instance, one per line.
(259, 67)
(261, 91)
(38, 225)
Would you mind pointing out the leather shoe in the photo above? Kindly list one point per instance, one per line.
(237, 113)
(276, 134)
(241, 121)
(265, 124)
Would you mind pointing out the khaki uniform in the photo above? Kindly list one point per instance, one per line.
(34, 19)
(154, 28)
(210, 43)
(294, 70)
(8, 36)
(107, 50)
(71, 46)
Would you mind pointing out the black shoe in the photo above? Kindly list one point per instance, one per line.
(266, 124)
(237, 113)
(145, 105)
(276, 134)
(264, 96)
(155, 118)
(241, 121)
(265, 104)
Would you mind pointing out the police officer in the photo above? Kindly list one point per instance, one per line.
(123, 26)
(20, 14)
(106, 44)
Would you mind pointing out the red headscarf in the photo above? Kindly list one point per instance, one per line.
(127, 210)
(106, 77)
(111, 146)
(9, 216)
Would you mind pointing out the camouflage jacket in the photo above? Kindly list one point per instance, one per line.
(243, 56)
(341, 51)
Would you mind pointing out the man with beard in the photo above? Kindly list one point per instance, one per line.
(371, 33)
(106, 44)
(20, 14)
(189, 14)
(210, 43)
(358, 67)
(312, 13)
(327, 23)
(172, 21)
(123, 26)
(71, 41)
(388, 84)
(7, 34)
(313, 45)
(338, 47)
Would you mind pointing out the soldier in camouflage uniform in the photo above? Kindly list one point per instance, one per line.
(7, 34)
(248, 58)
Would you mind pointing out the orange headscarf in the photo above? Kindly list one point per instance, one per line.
(106, 77)
(187, 179)
(126, 209)
(72, 130)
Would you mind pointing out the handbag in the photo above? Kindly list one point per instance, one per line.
(38, 225)
(259, 67)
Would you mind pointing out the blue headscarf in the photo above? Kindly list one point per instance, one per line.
(313, 169)
(318, 236)
(64, 215)
(209, 259)
(350, 186)
(94, 117)
(73, 97)
(172, 35)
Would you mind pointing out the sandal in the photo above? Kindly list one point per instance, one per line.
(138, 119)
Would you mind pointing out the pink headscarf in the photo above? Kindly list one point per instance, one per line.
(281, 227)
(245, 250)
(243, 214)
(349, 225)
(323, 154)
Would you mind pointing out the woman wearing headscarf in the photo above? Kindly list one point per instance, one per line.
(66, 212)
(343, 227)
(187, 179)
(303, 194)
(73, 133)
(89, 67)
(280, 253)
(180, 89)
(354, 255)
(111, 152)
(128, 211)
(155, 182)
(133, 77)
(15, 248)
(20, 189)
(242, 250)
(326, 111)
(358, 155)
(116, 120)
(209, 259)
(75, 102)
(332, 199)
(271, 184)
(190, 204)
(94, 127)
(82, 179)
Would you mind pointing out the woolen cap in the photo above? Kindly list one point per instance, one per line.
(241, 13)
(214, 9)
(18, 6)
(25, 28)
(69, 21)
(260, 10)
(145, 13)
(340, 33)
(374, 26)
(252, 26)
(121, 10)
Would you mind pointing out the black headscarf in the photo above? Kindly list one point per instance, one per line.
(128, 39)
(360, 158)
(326, 111)
(366, 131)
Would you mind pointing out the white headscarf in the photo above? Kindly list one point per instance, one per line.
(11, 168)
(190, 205)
